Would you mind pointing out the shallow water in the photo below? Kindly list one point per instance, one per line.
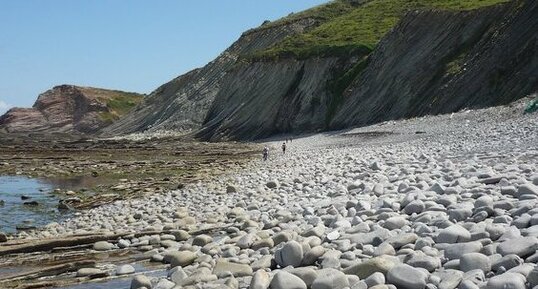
(14, 213)
(121, 283)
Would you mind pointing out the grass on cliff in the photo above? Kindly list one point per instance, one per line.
(346, 27)
(119, 104)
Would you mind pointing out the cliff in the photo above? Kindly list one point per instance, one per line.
(433, 61)
(70, 109)
(440, 62)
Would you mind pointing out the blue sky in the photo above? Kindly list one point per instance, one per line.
(133, 45)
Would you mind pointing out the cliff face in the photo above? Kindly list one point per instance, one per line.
(182, 103)
(70, 109)
(439, 62)
(260, 99)
(431, 62)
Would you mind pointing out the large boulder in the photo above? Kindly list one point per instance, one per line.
(291, 254)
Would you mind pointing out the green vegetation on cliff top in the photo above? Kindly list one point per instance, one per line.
(119, 104)
(346, 27)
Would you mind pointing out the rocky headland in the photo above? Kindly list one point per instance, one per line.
(70, 109)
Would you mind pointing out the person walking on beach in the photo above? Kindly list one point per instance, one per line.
(265, 153)
(283, 148)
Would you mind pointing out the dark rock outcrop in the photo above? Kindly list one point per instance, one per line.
(70, 109)
(440, 62)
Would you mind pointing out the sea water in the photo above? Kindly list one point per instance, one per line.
(15, 214)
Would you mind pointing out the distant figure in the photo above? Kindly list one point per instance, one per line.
(283, 148)
(265, 153)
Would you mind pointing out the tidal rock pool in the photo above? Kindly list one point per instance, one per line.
(27, 203)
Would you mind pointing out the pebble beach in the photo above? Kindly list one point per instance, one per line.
(444, 202)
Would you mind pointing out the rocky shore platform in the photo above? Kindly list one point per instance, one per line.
(442, 202)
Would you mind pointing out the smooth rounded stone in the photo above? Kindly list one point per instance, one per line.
(510, 233)
(476, 276)
(263, 243)
(532, 278)
(370, 237)
(313, 255)
(291, 254)
(401, 240)
(262, 263)
(407, 277)
(455, 251)
(479, 216)
(368, 267)
(282, 237)
(495, 231)
(452, 264)
(307, 274)
(527, 189)
(103, 246)
(454, 234)
(3, 237)
(232, 283)
(231, 189)
(238, 270)
(484, 201)
(393, 223)
(472, 261)
(169, 244)
(272, 184)
(201, 275)
(317, 231)
(125, 269)
(459, 214)
(331, 261)
(180, 235)
(522, 221)
(507, 281)
(202, 240)
(140, 281)
(475, 236)
(260, 280)
(165, 284)
(368, 250)
(521, 246)
(180, 258)
(415, 207)
(523, 269)
(448, 278)
(420, 260)
(177, 275)
(532, 258)
(123, 243)
(509, 190)
(330, 279)
(384, 249)
(507, 262)
(285, 280)
(246, 241)
(157, 258)
(375, 279)
(360, 285)
(84, 272)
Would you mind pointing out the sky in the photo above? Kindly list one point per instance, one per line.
(133, 45)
